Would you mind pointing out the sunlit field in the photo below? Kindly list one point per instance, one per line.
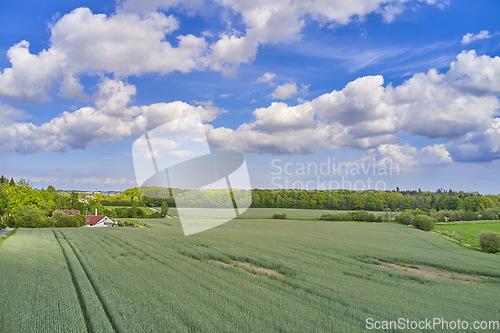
(248, 275)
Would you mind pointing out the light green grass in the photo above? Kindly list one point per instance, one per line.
(467, 233)
(37, 293)
(265, 213)
(158, 280)
(146, 210)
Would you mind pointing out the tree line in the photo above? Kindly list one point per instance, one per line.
(371, 200)
(23, 205)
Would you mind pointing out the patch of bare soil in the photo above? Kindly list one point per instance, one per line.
(433, 273)
(250, 268)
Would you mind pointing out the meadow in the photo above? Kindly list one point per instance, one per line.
(248, 275)
(466, 233)
(267, 213)
(146, 210)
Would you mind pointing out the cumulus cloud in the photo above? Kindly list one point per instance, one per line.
(132, 41)
(368, 114)
(266, 78)
(110, 120)
(284, 20)
(9, 114)
(285, 91)
(83, 42)
(407, 157)
(470, 37)
(479, 75)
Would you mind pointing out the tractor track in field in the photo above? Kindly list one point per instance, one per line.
(78, 289)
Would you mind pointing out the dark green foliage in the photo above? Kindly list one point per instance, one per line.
(423, 222)
(405, 218)
(61, 220)
(337, 217)
(360, 216)
(489, 241)
(155, 215)
(371, 200)
(29, 217)
(164, 208)
(279, 216)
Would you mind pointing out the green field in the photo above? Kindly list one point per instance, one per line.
(467, 233)
(255, 275)
(267, 213)
(146, 210)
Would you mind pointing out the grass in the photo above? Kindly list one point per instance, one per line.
(146, 210)
(466, 233)
(157, 280)
(267, 213)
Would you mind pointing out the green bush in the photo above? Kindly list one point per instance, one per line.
(61, 220)
(336, 217)
(423, 222)
(489, 241)
(29, 217)
(406, 218)
(363, 216)
(279, 216)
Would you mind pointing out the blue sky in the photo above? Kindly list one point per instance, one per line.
(409, 83)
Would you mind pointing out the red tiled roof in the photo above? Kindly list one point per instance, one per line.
(70, 212)
(93, 219)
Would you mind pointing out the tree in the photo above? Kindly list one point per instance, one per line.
(405, 218)
(74, 202)
(423, 222)
(133, 212)
(61, 220)
(4, 206)
(29, 217)
(489, 241)
(164, 208)
(24, 194)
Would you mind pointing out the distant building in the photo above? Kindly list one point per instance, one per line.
(99, 221)
(70, 212)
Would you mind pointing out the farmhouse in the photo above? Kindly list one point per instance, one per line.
(70, 212)
(99, 221)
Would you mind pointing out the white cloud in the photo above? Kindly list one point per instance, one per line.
(281, 116)
(114, 96)
(479, 75)
(110, 120)
(470, 37)
(266, 78)
(390, 11)
(436, 153)
(83, 42)
(31, 76)
(283, 21)
(285, 91)
(408, 157)
(366, 114)
(133, 41)
(429, 106)
(230, 51)
(9, 114)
